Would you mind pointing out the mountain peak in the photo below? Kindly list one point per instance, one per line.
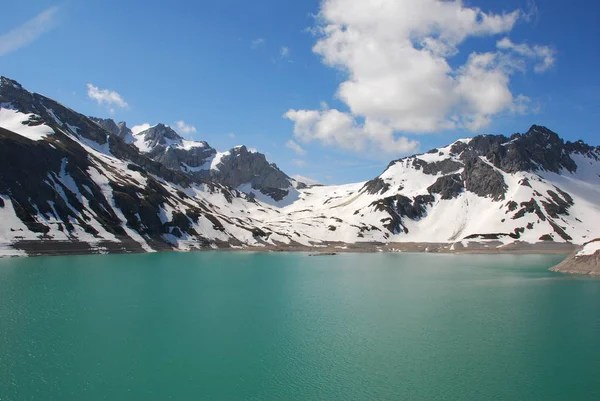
(160, 134)
(9, 82)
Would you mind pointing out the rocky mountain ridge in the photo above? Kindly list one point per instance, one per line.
(73, 182)
(237, 168)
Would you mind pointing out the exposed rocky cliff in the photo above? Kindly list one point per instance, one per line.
(237, 168)
(119, 129)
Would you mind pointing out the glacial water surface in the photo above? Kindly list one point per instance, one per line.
(285, 326)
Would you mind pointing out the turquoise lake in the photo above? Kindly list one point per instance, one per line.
(286, 326)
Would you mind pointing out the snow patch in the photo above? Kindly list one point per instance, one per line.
(13, 120)
(589, 249)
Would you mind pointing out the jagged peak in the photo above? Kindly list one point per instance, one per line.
(9, 82)
(160, 132)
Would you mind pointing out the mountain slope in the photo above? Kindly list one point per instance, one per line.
(69, 183)
(64, 178)
(531, 187)
(247, 170)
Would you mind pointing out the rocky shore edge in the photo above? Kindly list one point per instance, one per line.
(584, 260)
(65, 248)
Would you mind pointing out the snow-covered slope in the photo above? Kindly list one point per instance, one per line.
(464, 192)
(68, 182)
(79, 186)
(239, 167)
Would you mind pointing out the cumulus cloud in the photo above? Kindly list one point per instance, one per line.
(295, 147)
(28, 32)
(398, 78)
(136, 129)
(183, 128)
(106, 97)
(335, 128)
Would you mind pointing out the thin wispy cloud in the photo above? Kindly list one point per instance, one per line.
(306, 180)
(284, 52)
(106, 97)
(29, 31)
(295, 147)
(256, 43)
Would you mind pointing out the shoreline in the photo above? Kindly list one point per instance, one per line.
(56, 248)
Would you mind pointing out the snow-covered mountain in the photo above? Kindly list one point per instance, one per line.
(531, 187)
(69, 183)
(239, 167)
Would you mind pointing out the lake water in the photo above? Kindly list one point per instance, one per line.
(281, 326)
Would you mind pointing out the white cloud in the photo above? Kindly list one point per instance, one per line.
(106, 97)
(256, 43)
(306, 180)
(395, 55)
(231, 135)
(295, 147)
(335, 128)
(183, 128)
(299, 162)
(284, 52)
(139, 128)
(543, 55)
(27, 32)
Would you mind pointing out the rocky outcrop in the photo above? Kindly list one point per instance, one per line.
(119, 129)
(538, 149)
(445, 166)
(234, 168)
(400, 206)
(585, 260)
(482, 179)
(241, 166)
(376, 186)
(448, 186)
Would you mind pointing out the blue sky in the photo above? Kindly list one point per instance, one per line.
(334, 104)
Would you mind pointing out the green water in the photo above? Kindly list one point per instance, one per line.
(243, 326)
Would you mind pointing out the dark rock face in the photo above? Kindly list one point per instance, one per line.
(529, 207)
(483, 180)
(557, 205)
(537, 149)
(26, 182)
(449, 186)
(242, 166)
(457, 148)
(376, 186)
(446, 166)
(275, 193)
(400, 206)
(239, 166)
(121, 130)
